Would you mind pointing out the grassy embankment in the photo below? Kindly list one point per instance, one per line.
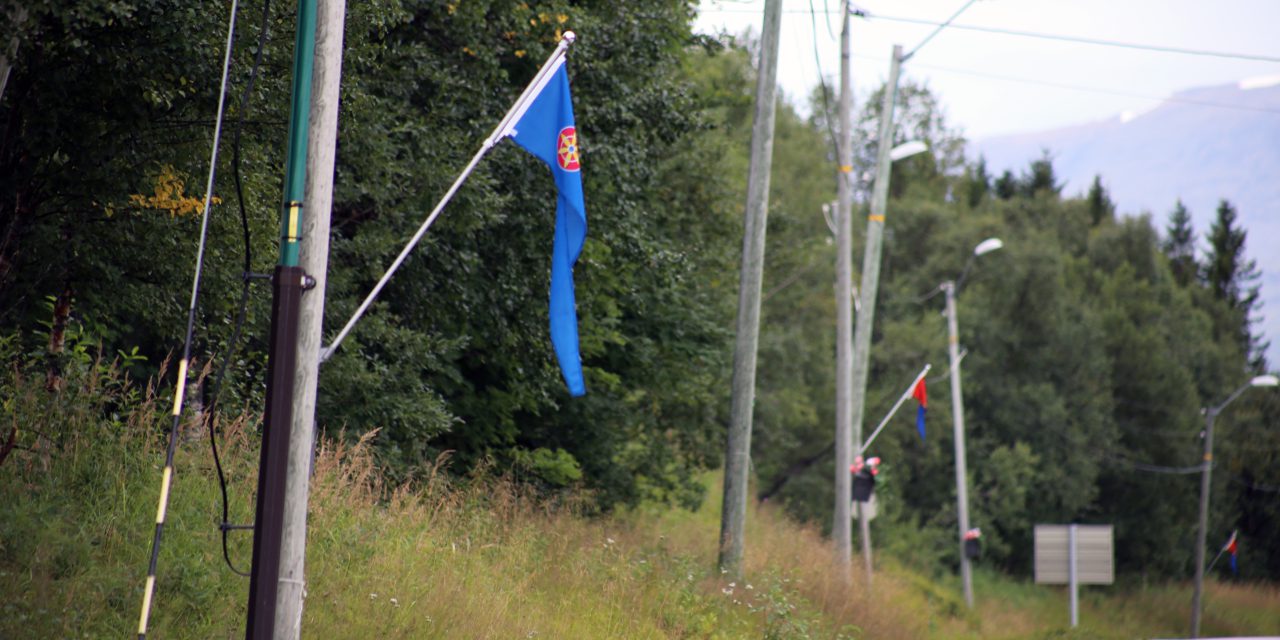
(473, 559)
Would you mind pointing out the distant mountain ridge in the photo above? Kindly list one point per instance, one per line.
(1200, 145)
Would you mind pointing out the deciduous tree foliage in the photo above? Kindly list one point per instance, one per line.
(1088, 359)
(1091, 341)
(109, 101)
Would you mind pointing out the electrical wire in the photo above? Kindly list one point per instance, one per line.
(822, 82)
(1082, 40)
(1075, 87)
(1267, 488)
(1044, 36)
(1154, 468)
(180, 384)
(225, 526)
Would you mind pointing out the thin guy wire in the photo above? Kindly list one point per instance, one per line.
(181, 383)
(941, 26)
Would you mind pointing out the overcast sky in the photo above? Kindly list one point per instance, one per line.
(961, 66)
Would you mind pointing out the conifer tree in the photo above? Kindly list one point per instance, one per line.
(1006, 186)
(1233, 278)
(1040, 177)
(977, 182)
(1180, 245)
(1100, 205)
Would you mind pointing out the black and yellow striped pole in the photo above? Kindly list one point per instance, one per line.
(180, 385)
(288, 283)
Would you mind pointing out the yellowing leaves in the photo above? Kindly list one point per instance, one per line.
(170, 195)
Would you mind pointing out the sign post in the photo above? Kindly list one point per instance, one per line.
(1073, 555)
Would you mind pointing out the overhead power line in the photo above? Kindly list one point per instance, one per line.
(1268, 488)
(1155, 468)
(1082, 88)
(1082, 40)
(1043, 36)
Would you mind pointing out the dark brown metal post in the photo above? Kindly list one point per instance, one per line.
(287, 285)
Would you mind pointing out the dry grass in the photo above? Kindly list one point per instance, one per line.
(477, 557)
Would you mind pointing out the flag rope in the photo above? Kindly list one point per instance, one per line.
(503, 129)
(885, 422)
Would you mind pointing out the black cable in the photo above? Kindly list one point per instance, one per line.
(822, 82)
(225, 526)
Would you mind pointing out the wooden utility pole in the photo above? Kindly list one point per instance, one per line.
(871, 274)
(957, 422)
(288, 282)
(738, 447)
(841, 526)
(313, 258)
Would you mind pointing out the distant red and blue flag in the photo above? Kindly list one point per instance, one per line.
(920, 394)
(1231, 547)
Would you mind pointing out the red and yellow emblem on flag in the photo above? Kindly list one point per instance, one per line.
(567, 152)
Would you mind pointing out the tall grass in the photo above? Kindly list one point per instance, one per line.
(448, 557)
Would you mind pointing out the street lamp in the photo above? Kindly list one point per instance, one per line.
(1206, 470)
(849, 390)
(951, 288)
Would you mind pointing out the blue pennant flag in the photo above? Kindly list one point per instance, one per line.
(546, 129)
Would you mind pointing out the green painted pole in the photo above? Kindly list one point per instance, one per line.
(295, 164)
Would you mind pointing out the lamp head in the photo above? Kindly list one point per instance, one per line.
(1264, 381)
(907, 149)
(987, 246)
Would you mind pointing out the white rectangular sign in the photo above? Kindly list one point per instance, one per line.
(1095, 555)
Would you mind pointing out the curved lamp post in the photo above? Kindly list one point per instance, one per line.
(1206, 470)
(951, 288)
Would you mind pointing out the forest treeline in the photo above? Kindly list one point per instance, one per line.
(1093, 339)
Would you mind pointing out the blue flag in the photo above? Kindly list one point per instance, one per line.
(546, 130)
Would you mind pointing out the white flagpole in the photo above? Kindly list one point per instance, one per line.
(1215, 559)
(1222, 551)
(894, 410)
(513, 114)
